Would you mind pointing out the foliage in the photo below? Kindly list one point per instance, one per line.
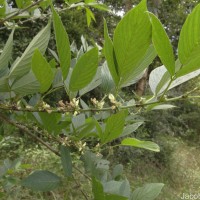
(81, 127)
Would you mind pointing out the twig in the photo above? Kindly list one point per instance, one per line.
(79, 186)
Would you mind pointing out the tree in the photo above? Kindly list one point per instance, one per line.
(76, 123)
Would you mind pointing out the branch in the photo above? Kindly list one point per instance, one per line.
(20, 11)
(29, 133)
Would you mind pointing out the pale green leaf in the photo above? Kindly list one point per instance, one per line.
(132, 38)
(130, 128)
(121, 188)
(162, 44)
(140, 144)
(110, 55)
(62, 44)
(189, 43)
(147, 192)
(42, 181)
(6, 55)
(84, 70)
(23, 64)
(28, 84)
(42, 71)
(66, 160)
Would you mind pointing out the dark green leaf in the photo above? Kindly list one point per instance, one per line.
(66, 160)
(42, 181)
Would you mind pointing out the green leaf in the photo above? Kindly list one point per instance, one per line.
(84, 70)
(50, 121)
(42, 181)
(107, 84)
(149, 191)
(4, 86)
(23, 64)
(162, 44)
(2, 8)
(114, 127)
(159, 79)
(110, 55)
(97, 189)
(28, 84)
(89, 16)
(66, 160)
(6, 55)
(189, 43)
(42, 71)
(62, 44)
(93, 84)
(132, 38)
(140, 144)
(139, 70)
(130, 128)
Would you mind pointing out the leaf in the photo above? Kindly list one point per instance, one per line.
(50, 121)
(110, 55)
(89, 16)
(42, 181)
(149, 191)
(4, 86)
(114, 127)
(23, 64)
(162, 44)
(189, 43)
(107, 84)
(162, 107)
(97, 189)
(28, 84)
(2, 8)
(114, 197)
(62, 44)
(132, 38)
(117, 171)
(131, 128)
(66, 160)
(159, 79)
(6, 55)
(42, 71)
(140, 144)
(138, 72)
(84, 70)
(93, 84)
(121, 188)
